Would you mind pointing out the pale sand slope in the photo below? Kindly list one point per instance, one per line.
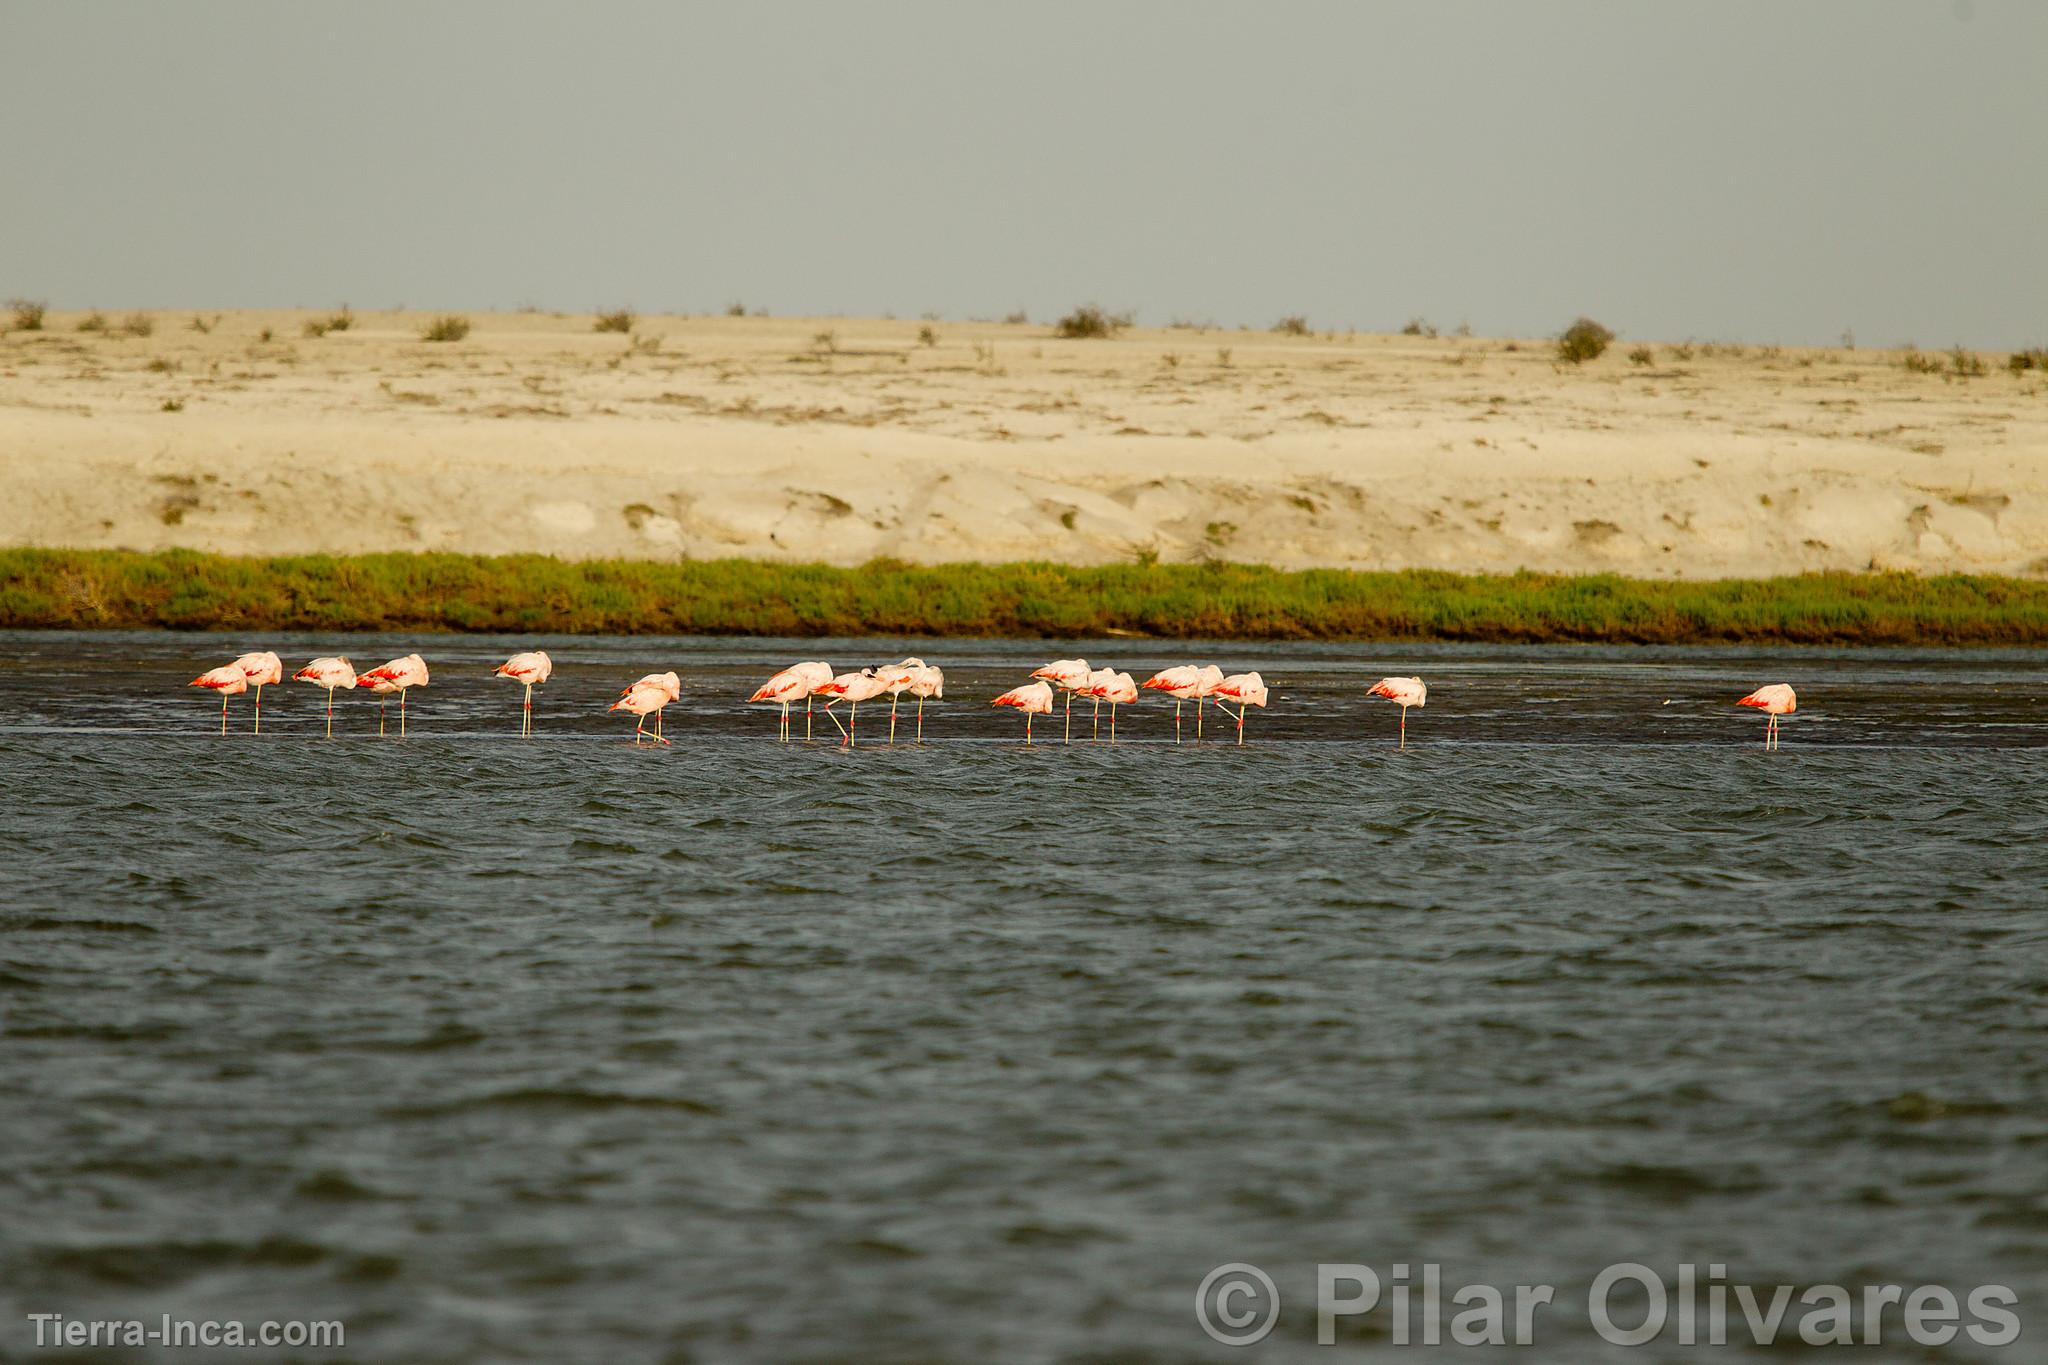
(750, 436)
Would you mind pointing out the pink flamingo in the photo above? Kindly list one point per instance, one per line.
(1069, 676)
(647, 697)
(1033, 699)
(331, 672)
(1246, 689)
(896, 680)
(1403, 692)
(227, 680)
(854, 688)
(1778, 699)
(929, 685)
(795, 683)
(1183, 683)
(260, 669)
(531, 668)
(400, 676)
(1117, 689)
(1207, 679)
(1099, 679)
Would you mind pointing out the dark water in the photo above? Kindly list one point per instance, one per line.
(565, 1050)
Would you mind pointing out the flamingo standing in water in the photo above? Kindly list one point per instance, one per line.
(331, 672)
(259, 669)
(531, 668)
(1403, 692)
(793, 684)
(400, 676)
(896, 680)
(1099, 681)
(1118, 689)
(647, 697)
(1182, 682)
(227, 680)
(929, 685)
(1246, 689)
(1778, 699)
(1033, 699)
(854, 688)
(1207, 679)
(1069, 676)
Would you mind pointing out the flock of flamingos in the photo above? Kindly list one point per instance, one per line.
(805, 682)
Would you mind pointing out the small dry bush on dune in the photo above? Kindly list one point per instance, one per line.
(1642, 355)
(447, 327)
(28, 314)
(1419, 327)
(1090, 321)
(2034, 358)
(1584, 340)
(620, 320)
(95, 321)
(333, 322)
(138, 325)
(1293, 325)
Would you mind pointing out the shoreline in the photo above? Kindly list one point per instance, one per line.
(42, 589)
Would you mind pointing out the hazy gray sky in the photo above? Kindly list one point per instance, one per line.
(1762, 171)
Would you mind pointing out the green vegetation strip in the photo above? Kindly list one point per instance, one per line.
(181, 590)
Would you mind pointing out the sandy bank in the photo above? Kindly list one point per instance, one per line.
(845, 440)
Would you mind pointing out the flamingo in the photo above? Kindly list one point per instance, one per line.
(647, 697)
(1207, 679)
(259, 669)
(1246, 689)
(797, 682)
(330, 673)
(854, 688)
(930, 685)
(1098, 680)
(1403, 692)
(227, 680)
(1069, 676)
(400, 675)
(1116, 689)
(1778, 699)
(1182, 682)
(531, 668)
(1033, 699)
(896, 680)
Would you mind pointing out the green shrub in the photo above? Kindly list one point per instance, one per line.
(1584, 340)
(1091, 322)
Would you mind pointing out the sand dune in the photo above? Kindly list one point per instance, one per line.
(845, 440)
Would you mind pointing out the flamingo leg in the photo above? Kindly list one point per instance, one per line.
(259, 708)
(330, 713)
(1198, 720)
(223, 713)
(807, 719)
(1096, 733)
(782, 730)
(920, 720)
(1404, 727)
(526, 714)
(833, 716)
(401, 712)
(1070, 718)
(892, 716)
(1027, 729)
(1176, 720)
(1240, 722)
(383, 704)
(1112, 722)
(852, 722)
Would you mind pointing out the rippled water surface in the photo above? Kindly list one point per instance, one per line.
(572, 1050)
